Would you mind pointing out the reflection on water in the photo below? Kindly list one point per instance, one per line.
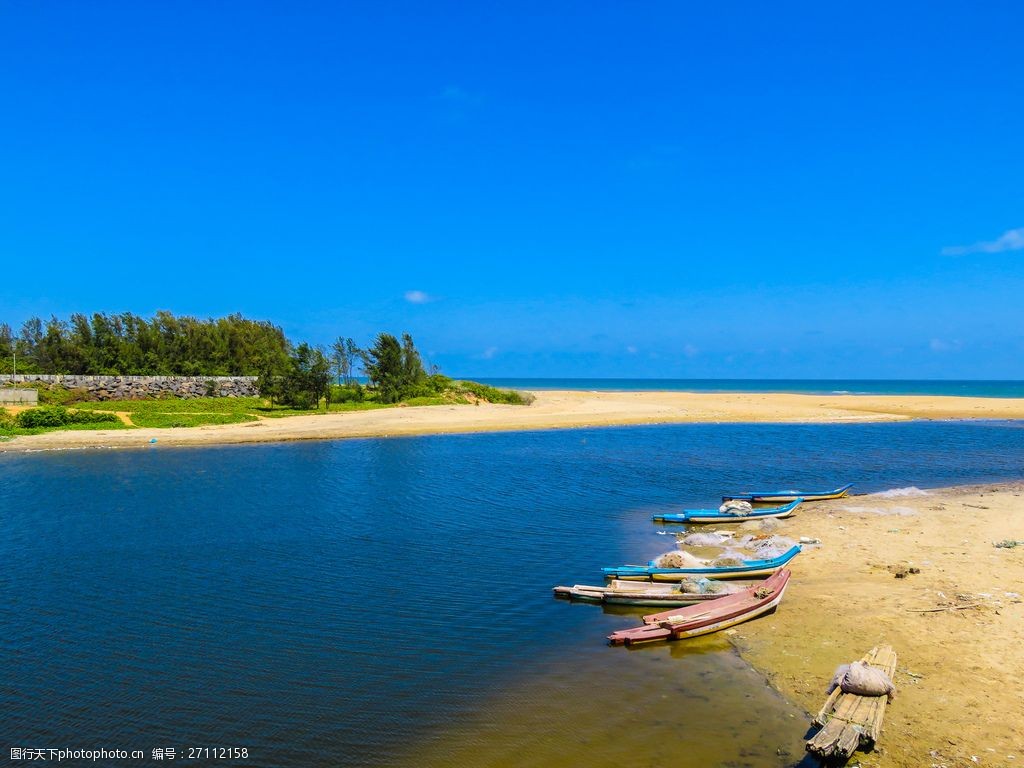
(387, 602)
(684, 704)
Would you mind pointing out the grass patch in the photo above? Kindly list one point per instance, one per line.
(173, 405)
(165, 420)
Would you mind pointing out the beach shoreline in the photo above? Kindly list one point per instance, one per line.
(553, 409)
(955, 625)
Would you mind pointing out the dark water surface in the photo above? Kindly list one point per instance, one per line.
(387, 602)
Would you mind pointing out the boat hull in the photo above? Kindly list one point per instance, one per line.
(711, 516)
(780, 497)
(652, 595)
(753, 569)
(694, 622)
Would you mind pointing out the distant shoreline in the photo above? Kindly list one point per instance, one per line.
(1001, 388)
(553, 409)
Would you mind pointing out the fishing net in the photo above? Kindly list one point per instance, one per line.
(727, 561)
(702, 586)
(736, 508)
(767, 525)
(678, 559)
(704, 539)
(772, 547)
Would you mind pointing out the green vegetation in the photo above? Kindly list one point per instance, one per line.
(58, 416)
(127, 344)
(161, 420)
(202, 411)
(49, 418)
(493, 394)
(292, 379)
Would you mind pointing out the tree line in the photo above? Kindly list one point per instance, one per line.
(292, 374)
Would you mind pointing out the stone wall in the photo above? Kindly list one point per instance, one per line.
(19, 397)
(140, 387)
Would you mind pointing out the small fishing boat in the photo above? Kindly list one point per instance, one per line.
(620, 592)
(704, 516)
(750, 569)
(780, 497)
(709, 617)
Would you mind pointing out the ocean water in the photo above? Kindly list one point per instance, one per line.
(387, 602)
(961, 388)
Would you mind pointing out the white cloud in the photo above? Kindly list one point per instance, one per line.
(631, 349)
(1011, 240)
(418, 297)
(489, 353)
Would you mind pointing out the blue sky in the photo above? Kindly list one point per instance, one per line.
(532, 189)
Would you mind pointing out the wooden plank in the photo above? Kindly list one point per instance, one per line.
(850, 721)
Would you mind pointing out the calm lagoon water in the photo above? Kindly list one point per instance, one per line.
(387, 602)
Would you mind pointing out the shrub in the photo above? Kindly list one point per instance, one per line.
(348, 393)
(59, 416)
(495, 395)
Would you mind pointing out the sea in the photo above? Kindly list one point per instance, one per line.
(387, 602)
(954, 387)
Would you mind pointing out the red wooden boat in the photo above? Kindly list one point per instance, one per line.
(708, 617)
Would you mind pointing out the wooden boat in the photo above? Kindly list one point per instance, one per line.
(751, 569)
(620, 592)
(703, 516)
(706, 618)
(781, 497)
(849, 720)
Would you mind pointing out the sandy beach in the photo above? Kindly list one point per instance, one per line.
(959, 702)
(551, 410)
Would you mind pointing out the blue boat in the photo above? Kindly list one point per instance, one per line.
(702, 516)
(781, 497)
(751, 569)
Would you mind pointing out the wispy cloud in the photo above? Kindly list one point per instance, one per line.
(1011, 240)
(418, 297)
(489, 353)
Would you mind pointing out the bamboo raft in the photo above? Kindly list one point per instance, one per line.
(850, 721)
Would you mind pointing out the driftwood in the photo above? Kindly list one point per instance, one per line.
(849, 721)
(944, 608)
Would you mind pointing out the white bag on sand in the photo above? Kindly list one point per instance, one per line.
(863, 680)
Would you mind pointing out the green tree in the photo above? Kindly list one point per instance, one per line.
(383, 363)
(412, 365)
(394, 368)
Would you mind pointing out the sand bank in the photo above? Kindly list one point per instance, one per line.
(552, 410)
(958, 673)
